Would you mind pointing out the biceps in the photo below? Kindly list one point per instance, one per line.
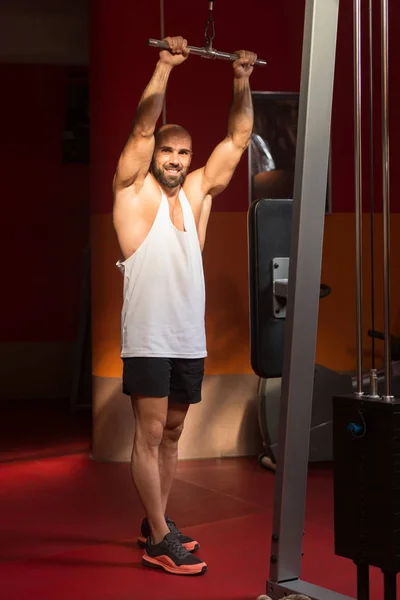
(134, 161)
(221, 166)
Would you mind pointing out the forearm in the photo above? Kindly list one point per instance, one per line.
(152, 100)
(241, 115)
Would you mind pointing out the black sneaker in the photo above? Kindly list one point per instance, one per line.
(172, 557)
(188, 543)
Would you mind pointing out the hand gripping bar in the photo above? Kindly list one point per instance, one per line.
(204, 52)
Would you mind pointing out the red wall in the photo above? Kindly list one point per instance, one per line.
(120, 68)
(45, 209)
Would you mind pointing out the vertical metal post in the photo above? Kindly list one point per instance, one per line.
(386, 191)
(371, 173)
(358, 191)
(311, 175)
(162, 36)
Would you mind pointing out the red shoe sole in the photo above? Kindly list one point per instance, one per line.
(167, 565)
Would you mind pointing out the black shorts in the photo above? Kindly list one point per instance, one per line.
(178, 378)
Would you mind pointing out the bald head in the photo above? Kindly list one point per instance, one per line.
(172, 155)
(170, 131)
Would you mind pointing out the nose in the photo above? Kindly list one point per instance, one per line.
(174, 159)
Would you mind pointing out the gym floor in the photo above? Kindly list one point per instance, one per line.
(68, 524)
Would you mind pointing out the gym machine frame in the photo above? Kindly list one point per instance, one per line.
(366, 424)
(318, 65)
(311, 175)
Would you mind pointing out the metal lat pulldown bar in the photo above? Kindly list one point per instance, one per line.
(207, 51)
(204, 52)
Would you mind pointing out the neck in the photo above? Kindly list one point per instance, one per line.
(170, 192)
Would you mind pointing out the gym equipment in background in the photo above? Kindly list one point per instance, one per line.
(269, 235)
(366, 424)
(303, 297)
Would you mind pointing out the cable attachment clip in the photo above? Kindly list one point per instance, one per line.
(210, 25)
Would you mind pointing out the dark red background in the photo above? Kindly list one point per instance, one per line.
(45, 211)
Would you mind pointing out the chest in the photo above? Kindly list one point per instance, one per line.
(176, 215)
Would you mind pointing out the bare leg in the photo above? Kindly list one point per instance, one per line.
(150, 417)
(168, 454)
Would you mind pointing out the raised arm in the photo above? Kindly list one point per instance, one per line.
(221, 165)
(135, 159)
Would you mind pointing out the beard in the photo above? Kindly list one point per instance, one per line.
(169, 181)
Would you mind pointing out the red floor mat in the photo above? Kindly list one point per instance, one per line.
(68, 528)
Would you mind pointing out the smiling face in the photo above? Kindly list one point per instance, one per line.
(172, 156)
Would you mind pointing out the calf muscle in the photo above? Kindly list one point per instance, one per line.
(150, 417)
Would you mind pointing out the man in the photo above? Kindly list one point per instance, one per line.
(160, 216)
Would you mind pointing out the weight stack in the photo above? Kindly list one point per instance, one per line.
(366, 451)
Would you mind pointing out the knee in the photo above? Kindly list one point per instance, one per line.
(149, 435)
(172, 435)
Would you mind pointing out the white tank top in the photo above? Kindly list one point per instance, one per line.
(164, 293)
